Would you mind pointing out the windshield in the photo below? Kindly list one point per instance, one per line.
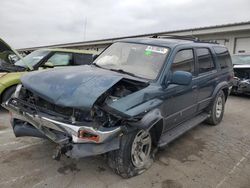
(32, 59)
(241, 59)
(138, 59)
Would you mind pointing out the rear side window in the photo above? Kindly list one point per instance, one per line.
(83, 59)
(205, 60)
(183, 61)
(223, 57)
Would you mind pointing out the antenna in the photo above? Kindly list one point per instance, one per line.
(85, 28)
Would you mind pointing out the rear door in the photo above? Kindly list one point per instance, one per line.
(207, 79)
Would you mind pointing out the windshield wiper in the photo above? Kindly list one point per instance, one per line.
(123, 72)
(117, 70)
(97, 65)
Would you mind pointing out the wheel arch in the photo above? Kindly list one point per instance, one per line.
(153, 122)
(224, 86)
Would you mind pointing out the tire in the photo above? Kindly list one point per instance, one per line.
(8, 93)
(123, 161)
(216, 110)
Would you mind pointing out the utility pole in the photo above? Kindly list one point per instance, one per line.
(85, 28)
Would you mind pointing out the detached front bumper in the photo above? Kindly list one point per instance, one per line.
(106, 139)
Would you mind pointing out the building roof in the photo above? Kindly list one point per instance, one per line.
(183, 32)
(70, 50)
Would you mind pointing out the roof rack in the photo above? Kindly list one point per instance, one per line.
(192, 38)
(187, 37)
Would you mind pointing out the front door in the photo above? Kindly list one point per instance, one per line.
(182, 101)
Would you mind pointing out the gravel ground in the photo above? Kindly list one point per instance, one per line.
(204, 157)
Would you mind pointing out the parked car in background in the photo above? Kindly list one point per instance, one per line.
(139, 94)
(241, 84)
(12, 65)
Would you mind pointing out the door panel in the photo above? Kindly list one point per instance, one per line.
(207, 80)
(180, 100)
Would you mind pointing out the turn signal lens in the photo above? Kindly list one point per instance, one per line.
(88, 136)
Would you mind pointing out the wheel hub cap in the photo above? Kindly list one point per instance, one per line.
(141, 148)
(219, 107)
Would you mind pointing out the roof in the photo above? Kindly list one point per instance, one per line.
(70, 50)
(182, 31)
(166, 42)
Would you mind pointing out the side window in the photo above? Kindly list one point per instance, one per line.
(83, 59)
(183, 61)
(223, 57)
(60, 59)
(205, 60)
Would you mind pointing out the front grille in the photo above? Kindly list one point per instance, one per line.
(29, 101)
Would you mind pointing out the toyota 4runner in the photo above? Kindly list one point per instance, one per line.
(138, 95)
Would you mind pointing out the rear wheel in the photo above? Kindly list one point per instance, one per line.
(217, 109)
(134, 155)
(8, 93)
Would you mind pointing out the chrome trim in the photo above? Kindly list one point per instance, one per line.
(17, 91)
(41, 122)
(103, 134)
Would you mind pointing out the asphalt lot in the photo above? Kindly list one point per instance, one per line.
(204, 157)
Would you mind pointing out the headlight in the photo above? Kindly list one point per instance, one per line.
(3, 74)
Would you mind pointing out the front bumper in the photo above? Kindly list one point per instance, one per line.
(241, 86)
(67, 134)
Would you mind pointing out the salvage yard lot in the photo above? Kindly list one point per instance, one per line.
(204, 157)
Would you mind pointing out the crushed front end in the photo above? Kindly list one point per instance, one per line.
(78, 133)
(241, 83)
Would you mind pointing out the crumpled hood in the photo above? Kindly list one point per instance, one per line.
(77, 87)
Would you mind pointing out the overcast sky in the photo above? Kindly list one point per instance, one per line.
(27, 23)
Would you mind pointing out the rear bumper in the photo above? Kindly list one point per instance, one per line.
(38, 125)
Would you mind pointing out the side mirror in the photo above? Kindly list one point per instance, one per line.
(48, 65)
(181, 78)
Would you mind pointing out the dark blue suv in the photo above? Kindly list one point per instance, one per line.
(139, 94)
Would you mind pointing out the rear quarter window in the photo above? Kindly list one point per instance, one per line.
(223, 57)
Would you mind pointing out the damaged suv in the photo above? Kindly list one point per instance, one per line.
(139, 94)
(241, 83)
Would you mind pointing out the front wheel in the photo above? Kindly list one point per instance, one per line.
(217, 109)
(134, 155)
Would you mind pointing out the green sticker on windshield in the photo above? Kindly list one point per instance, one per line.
(156, 49)
(147, 52)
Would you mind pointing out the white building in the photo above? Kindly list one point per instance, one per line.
(235, 36)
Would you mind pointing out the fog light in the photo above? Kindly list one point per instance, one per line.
(88, 136)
